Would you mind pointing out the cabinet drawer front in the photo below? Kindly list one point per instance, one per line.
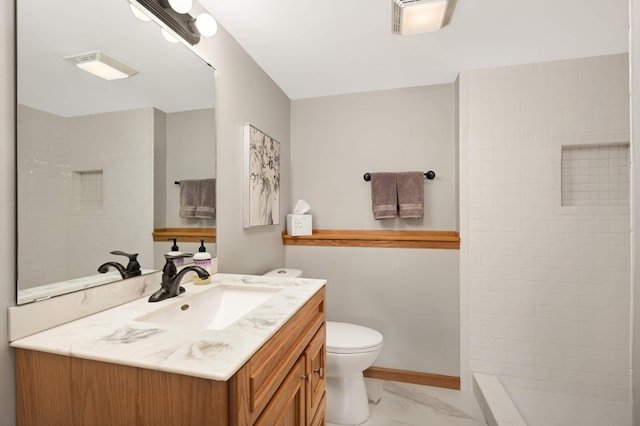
(270, 365)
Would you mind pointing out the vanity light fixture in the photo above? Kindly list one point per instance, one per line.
(181, 6)
(101, 65)
(206, 24)
(420, 16)
(174, 17)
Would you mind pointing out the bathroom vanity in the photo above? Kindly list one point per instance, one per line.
(116, 367)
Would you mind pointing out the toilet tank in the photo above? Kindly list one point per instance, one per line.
(285, 272)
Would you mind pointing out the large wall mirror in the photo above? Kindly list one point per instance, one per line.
(98, 160)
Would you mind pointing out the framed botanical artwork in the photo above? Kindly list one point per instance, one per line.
(261, 178)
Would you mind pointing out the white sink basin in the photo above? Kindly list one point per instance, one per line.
(213, 309)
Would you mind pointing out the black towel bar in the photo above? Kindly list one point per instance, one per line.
(429, 175)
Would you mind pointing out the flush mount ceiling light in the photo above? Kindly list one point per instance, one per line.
(420, 16)
(101, 65)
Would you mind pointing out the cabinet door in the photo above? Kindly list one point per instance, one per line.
(320, 417)
(315, 355)
(288, 405)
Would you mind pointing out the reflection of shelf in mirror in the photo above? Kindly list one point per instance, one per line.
(185, 235)
(376, 238)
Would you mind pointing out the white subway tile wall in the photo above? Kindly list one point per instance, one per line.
(68, 231)
(545, 275)
(595, 175)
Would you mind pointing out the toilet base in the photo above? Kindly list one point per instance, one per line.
(347, 402)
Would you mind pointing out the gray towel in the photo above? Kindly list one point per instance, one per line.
(384, 196)
(411, 194)
(188, 198)
(206, 200)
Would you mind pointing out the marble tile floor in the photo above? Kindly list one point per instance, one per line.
(405, 404)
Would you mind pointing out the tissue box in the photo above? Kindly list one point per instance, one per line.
(299, 224)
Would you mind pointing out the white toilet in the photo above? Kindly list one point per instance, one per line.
(351, 349)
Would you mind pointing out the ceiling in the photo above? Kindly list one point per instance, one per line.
(314, 48)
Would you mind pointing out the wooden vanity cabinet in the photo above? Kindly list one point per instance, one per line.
(282, 384)
(300, 396)
(254, 388)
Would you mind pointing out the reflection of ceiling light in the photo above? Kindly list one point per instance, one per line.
(421, 16)
(174, 23)
(101, 65)
(139, 14)
(206, 24)
(181, 6)
(168, 36)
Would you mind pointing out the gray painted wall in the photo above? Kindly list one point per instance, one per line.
(634, 57)
(245, 94)
(7, 217)
(191, 154)
(410, 295)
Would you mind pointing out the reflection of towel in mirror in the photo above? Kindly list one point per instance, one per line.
(188, 197)
(411, 194)
(384, 196)
(206, 201)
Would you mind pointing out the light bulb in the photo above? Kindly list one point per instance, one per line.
(139, 14)
(181, 6)
(206, 24)
(167, 36)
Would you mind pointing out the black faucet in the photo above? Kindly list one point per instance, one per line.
(171, 278)
(132, 269)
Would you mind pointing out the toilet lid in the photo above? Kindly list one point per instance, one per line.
(343, 337)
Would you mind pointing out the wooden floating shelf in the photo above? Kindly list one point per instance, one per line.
(376, 238)
(185, 235)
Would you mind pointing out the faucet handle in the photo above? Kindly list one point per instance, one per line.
(133, 267)
(131, 256)
(170, 267)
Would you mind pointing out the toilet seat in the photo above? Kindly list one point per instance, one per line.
(345, 338)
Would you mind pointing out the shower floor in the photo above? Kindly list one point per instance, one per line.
(550, 409)
(509, 406)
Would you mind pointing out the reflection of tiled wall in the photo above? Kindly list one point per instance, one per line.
(87, 190)
(595, 175)
(118, 144)
(42, 202)
(544, 287)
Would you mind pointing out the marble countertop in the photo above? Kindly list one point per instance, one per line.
(115, 336)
